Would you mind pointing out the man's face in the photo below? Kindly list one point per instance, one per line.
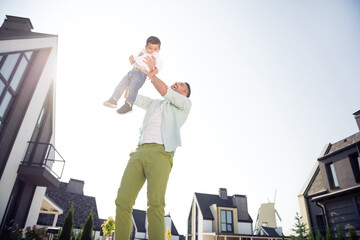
(180, 87)
(151, 48)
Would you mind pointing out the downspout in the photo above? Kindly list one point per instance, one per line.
(323, 212)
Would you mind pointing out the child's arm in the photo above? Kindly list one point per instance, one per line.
(132, 59)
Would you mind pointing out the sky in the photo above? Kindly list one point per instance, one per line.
(272, 83)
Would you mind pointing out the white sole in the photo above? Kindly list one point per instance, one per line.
(106, 104)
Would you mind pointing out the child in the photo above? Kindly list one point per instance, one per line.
(134, 80)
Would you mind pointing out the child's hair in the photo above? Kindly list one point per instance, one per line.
(153, 40)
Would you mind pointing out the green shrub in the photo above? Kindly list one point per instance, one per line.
(88, 228)
(352, 233)
(310, 236)
(329, 235)
(66, 231)
(319, 236)
(340, 234)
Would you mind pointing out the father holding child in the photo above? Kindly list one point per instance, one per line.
(153, 158)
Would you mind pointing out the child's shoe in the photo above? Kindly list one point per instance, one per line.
(112, 103)
(124, 108)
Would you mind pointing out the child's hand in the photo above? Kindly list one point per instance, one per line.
(131, 59)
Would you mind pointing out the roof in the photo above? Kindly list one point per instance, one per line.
(82, 207)
(140, 222)
(271, 232)
(337, 193)
(341, 145)
(19, 28)
(310, 179)
(206, 200)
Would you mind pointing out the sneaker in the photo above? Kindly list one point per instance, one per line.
(112, 103)
(124, 108)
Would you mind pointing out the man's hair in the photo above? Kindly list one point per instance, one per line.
(153, 40)
(189, 90)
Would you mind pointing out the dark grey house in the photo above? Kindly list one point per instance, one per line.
(27, 133)
(66, 195)
(331, 195)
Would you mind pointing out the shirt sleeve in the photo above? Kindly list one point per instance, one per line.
(159, 62)
(177, 99)
(142, 101)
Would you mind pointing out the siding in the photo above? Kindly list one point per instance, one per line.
(343, 212)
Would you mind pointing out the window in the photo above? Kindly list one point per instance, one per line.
(355, 164)
(332, 176)
(226, 221)
(12, 69)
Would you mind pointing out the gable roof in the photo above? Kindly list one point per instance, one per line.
(82, 207)
(341, 145)
(206, 200)
(271, 232)
(139, 217)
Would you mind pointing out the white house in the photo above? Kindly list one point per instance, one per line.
(215, 216)
(140, 226)
(27, 110)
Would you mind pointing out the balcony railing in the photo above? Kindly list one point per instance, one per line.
(43, 165)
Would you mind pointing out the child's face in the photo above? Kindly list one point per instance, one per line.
(151, 48)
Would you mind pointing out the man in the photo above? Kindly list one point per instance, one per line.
(153, 158)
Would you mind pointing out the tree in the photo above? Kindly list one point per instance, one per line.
(340, 234)
(299, 227)
(88, 228)
(352, 233)
(168, 234)
(311, 236)
(68, 225)
(329, 234)
(108, 226)
(319, 236)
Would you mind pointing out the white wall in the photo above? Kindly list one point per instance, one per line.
(208, 226)
(30, 118)
(244, 228)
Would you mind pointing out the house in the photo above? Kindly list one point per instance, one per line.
(217, 216)
(140, 226)
(331, 194)
(27, 120)
(63, 197)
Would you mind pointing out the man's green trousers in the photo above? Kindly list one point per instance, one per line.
(152, 163)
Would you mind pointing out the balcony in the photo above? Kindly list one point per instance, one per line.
(42, 165)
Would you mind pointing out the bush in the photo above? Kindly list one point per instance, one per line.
(319, 236)
(35, 233)
(352, 233)
(329, 234)
(68, 225)
(88, 228)
(311, 236)
(340, 234)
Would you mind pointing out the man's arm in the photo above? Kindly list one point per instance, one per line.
(153, 73)
(159, 85)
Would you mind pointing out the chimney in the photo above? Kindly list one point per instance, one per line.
(240, 202)
(75, 186)
(17, 23)
(357, 118)
(223, 193)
